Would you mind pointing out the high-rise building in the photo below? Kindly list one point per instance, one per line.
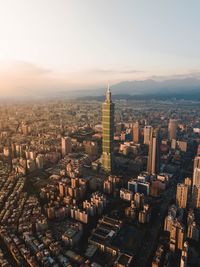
(153, 165)
(66, 146)
(177, 236)
(172, 128)
(196, 177)
(147, 134)
(136, 132)
(197, 162)
(193, 231)
(196, 196)
(139, 200)
(182, 195)
(198, 150)
(108, 132)
(169, 220)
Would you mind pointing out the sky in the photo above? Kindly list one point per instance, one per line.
(77, 44)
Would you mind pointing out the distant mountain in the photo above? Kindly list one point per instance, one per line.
(181, 88)
(173, 86)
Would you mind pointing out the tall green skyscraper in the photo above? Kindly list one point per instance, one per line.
(108, 132)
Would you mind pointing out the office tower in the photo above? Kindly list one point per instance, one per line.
(153, 165)
(196, 196)
(196, 172)
(172, 128)
(66, 146)
(197, 162)
(198, 150)
(136, 132)
(176, 236)
(108, 132)
(181, 195)
(193, 231)
(139, 200)
(196, 177)
(188, 182)
(147, 134)
(169, 220)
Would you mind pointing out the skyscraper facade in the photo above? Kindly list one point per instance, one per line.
(196, 177)
(197, 162)
(172, 128)
(196, 174)
(182, 195)
(136, 132)
(196, 196)
(108, 132)
(66, 146)
(147, 134)
(198, 150)
(153, 165)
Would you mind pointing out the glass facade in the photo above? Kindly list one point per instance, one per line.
(108, 132)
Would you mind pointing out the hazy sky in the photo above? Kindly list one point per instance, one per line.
(76, 43)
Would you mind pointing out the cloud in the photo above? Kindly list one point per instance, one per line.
(192, 74)
(19, 78)
(100, 76)
(116, 71)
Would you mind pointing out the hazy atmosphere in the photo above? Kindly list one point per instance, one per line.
(58, 45)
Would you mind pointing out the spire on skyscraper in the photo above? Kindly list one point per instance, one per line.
(108, 94)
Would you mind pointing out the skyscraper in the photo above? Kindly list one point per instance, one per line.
(198, 150)
(196, 174)
(172, 128)
(136, 132)
(147, 134)
(108, 132)
(196, 196)
(66, 146)
(197, 162)
(177, 236)
(182, 195)
(196, 177)
(153, 165)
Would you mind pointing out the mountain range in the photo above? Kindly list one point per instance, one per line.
(181, 88)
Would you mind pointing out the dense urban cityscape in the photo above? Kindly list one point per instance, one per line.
(85, 183)
(99, 133)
